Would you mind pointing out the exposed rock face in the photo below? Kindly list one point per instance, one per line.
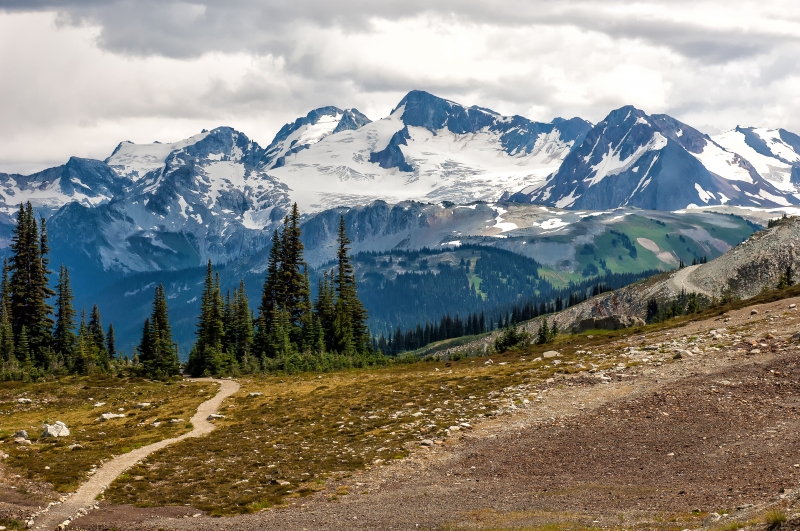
(609, 322)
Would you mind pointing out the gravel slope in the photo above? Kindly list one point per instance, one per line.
(717, 429)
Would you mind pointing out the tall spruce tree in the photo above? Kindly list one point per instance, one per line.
(351, 317)
(6, 331)
(204, 357)
(159, 359)
(29, 284)
(64, 333)
(111, 342)
(296, 291)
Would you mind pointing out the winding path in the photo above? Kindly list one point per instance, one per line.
(681, 281)
(86, 494)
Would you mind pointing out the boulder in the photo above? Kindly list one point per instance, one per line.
(59, 429)
(609, 322)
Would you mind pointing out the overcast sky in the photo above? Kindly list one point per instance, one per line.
(78, 76)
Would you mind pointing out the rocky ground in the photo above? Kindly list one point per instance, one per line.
(655, 443)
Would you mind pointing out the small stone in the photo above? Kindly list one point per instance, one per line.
(215, 416)
(252, 395)
(21, 433)
(177, 421)
(24, 400)
(488, 362)
(99, 404)
(426, 442)
(795, 338)
(711, 519)
(792, 306)
(677, 356)
(109, 416)
(466, 425)
(550, 354)
(75, 446)
(24, 442)
(143, 405)
(454, 428)
(755, 351)
(753, 312)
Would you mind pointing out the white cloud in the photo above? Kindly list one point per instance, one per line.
(81, 76)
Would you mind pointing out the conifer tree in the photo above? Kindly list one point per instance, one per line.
(270, 293)
(296, 290)
(111, 342)
(64, 333)
(6, 331)
(96, 332)
(160, 359)
(351, 328)
(29, 284)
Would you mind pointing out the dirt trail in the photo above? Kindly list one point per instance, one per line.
(86, 494)
(680, 281)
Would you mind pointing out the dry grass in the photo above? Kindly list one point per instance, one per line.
(72, 401)
(307, 429)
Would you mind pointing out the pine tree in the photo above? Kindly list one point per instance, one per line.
(204, 357)
(544, 333)
(145, 348)
(351, 329)
(96, 333)
(64, 334)
(162, 359)
(111, 342)
(296, 291)
(29, 284)
(271, 292)
(6, 331)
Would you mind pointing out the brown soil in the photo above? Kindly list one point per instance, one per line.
(658, 446)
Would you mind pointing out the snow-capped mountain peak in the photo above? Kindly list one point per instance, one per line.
(309, 130)
(134, 161)
(774, 153)
(654, 162)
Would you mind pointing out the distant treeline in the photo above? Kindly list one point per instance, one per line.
(449, 327)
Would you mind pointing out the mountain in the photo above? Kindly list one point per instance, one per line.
(774, 153)
(218, 194)
(653, 162)
(428, 149)
(207, 197)
(309, 130)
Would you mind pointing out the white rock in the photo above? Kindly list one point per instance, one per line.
(59, 429)
(24, 400)
(109, 416)
(488, 362)
(254, 394)
(143, 405)
(99, 404)
(550, 354)
(176, 421)
(215, 416)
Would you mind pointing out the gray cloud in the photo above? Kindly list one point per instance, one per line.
(91, 73)
(183, 29)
